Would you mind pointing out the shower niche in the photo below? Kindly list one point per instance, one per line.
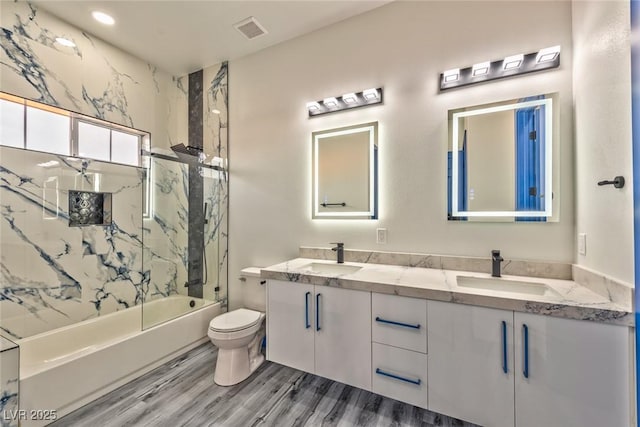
(89, 208)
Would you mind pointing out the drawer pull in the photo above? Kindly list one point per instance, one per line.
(392, 322)
(396, 377)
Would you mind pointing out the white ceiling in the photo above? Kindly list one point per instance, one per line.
(185, 36)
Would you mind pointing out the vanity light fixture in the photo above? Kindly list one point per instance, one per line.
(103, 18)
(548, 54)
(349, 98)
(480, 69)
(451, 75)
(513, 65)
(345, 102)
(330, 102)
(511, 62)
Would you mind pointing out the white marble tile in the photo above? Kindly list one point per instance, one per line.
(612, 289)
(566, 298)
(9, 383)
(550, 270)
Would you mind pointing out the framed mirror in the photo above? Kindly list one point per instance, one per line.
(500, 161)
(345, 172)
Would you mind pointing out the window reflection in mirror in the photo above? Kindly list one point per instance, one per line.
(344, 172)
(502, 166)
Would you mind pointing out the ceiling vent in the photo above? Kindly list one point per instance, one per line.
(250, 28)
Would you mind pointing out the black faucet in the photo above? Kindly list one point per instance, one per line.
(340, 252)
(496, 259)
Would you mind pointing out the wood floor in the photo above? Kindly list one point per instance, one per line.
(182, 393)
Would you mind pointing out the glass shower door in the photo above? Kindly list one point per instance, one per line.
(182, 228)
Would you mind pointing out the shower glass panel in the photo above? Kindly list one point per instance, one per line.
(181, 238)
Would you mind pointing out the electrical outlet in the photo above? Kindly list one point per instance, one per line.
(381, 236)
(582, 243)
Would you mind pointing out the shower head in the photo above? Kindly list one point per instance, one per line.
(187, 153)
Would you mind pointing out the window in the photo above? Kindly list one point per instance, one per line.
(35, 126)
(11, 123)
(94, 141)
(48, 131)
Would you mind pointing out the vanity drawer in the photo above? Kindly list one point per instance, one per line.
(399, 321)
(399, 374)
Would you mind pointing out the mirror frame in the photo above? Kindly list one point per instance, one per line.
(548, 203)
(316, 138)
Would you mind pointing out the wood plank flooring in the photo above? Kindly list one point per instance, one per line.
(182, 393)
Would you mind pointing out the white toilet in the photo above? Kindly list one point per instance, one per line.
(238, 335)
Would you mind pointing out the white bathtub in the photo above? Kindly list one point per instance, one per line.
(66, 368)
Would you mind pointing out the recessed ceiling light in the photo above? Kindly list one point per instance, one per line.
(215, 111)
(65, 42)
(512, 62)
(49, 164)
(103, 18)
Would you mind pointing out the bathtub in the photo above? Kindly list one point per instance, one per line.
(69, 367)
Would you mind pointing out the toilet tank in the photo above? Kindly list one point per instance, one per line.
(253, 289)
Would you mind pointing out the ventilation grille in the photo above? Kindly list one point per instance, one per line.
(250, 28)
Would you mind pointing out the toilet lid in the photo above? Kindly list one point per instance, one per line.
(235, 320)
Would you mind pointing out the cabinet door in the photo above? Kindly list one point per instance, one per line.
(290, 332)
(467, 363)
(578, 373)
(343, 336)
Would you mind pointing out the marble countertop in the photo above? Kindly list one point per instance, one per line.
(563, 298)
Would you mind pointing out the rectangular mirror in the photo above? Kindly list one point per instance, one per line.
(345, 172)
(501, 168)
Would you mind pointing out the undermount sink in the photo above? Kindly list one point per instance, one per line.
(327, 268)
(505, 285)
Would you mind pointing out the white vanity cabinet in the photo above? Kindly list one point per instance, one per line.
(571, 373)
(399, 358)
(320, 329)
(471, 363)
(559, 372)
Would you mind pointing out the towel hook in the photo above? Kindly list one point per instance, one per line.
(617, 182)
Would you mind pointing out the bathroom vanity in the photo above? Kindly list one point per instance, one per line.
(513, 351)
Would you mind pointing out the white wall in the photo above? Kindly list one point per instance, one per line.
(602, 92)
(403, 47)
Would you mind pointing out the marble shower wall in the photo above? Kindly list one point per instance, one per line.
(99, 80)
(93, 78)
(53, 274)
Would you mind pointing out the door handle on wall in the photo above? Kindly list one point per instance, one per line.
(317, 312)
(307, 325)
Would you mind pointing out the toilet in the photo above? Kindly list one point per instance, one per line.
(238, 335)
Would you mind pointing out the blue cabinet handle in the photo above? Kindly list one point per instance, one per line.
(525, 333)
(307, 325)
(396, 377)
(317, 312)
(505, 368)
(391, 322)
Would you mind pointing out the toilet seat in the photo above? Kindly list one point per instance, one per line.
(236, 320)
